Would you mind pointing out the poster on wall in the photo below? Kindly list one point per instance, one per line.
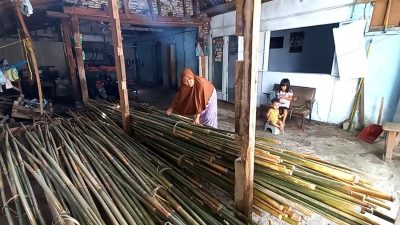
(218, 44)
(350, 50)
(296, 42)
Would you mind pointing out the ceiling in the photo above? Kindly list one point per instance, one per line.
(39, 19)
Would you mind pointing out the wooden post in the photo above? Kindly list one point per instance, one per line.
(126, 8)
(248, 25)
(119, 63)
(159, 7)
(66, 30)
(184, 8)
(150, 3)
(194, 5)
(28, 48)
(79, 58)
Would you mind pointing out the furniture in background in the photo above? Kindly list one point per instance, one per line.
(392, 139)
(302, 104)
(274, 130)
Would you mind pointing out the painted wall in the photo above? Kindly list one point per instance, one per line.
(48, 53)
(185, 41)
(334, 97)
(316, 56)
(383, 79)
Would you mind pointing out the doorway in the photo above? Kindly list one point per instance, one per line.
(158, 76)
(232, 58)
(172, 75)
(218, 64)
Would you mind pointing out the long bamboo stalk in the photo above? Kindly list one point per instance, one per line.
(331, 190)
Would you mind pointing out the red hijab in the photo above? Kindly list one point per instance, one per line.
(192, 100)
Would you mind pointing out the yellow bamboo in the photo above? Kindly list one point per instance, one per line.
(290, 221)
(377, 203)
(264, 197)
(267, 208)
(373, 193)
(279, 168)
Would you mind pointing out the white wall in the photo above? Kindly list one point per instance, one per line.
(334, 97)
(288, 14)
(383, 79)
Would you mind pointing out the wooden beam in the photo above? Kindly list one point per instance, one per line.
(31, 57)
(158, 8)
(386, 14)
(126, 7)
(150, 3)
(245, 103)
(119, 63)
(184, 8)
(79, 58)
(195, 6)
(134, 19)
(66, 31)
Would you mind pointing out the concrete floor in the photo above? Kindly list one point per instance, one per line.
(326, 141)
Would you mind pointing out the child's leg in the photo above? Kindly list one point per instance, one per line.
(281, 126)
(284, 114)
(275, 124)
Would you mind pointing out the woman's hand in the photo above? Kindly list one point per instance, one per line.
(169, 111)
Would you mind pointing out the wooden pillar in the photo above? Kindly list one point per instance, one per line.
(150, 3)
(126, 8)
(184, 8)
(79, 58)
(248, 26)
(31, 57)
(119, 63)
(66, 31)
(194, 5)
(159, 7)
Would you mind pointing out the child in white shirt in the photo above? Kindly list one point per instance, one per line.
(285, 95)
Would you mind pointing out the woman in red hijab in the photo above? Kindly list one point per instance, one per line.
(198, 97)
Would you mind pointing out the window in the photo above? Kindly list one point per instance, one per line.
(306, 50)
(276, 42)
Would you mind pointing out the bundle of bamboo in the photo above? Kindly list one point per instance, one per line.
(91, 172)
(288, 185)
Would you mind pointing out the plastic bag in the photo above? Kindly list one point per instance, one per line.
(27, 8)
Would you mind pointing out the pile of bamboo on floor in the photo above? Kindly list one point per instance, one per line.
(91, 172)
(288, 185)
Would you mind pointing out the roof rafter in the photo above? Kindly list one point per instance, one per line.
(130, 18)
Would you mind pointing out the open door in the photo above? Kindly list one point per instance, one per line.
(232, 58)
(218, 63)
(158, 77)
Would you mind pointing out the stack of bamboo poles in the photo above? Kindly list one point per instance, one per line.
(288, 185)
(91, 172)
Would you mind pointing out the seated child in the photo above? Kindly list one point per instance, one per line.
(285, 95)
(273, 116)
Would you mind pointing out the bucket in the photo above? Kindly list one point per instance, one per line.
(370, 133)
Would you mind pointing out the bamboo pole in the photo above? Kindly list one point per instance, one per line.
(30, 53)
